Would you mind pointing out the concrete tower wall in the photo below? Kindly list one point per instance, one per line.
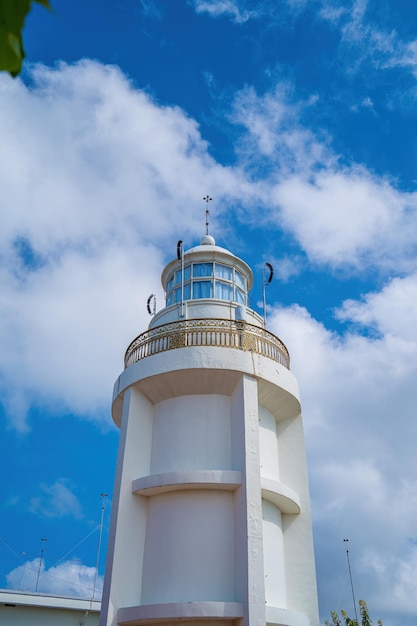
(189, 554)
(211, 490)
(268, 444)
(301, 581)
(191, 432)
(274, 556)
(129, 512)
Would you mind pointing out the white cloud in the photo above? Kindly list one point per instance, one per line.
(358, 394)
(367, 103)
(331, 12)
(368, 42)
(228, 8)
(407, 56)
(341, 214)
(70, 578)
(56, 500)
(274, 133)
(98, 179)
(390, 311)
(152, 9)
(347, 216)
(240, 11)
(86, 124)
(395, 577)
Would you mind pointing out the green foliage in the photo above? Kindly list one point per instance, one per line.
(12, 19)
(345, 620)
(366, 620)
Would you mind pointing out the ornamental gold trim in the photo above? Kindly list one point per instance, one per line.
(218, 333)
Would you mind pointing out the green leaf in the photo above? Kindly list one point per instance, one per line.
(12, 19)
(11, 52)
(13, 13)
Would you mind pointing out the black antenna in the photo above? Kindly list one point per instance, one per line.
(207, 199)
(152, 310)
(351, 581)
(179, 250)
(271, 272)
(265, 283)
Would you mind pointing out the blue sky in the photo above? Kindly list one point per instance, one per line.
(299, 118)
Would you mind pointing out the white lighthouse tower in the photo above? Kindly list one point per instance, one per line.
(211, 514)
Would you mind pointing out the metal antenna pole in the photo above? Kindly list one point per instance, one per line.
(103, 497)
(351, 581)
(40, 562)
(265, 283)
(207, 199)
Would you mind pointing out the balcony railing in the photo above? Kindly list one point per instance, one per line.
(218, 333)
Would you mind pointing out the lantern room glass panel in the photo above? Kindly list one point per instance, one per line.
(202, 269)
(202, 289)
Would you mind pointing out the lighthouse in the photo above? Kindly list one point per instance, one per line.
(211, 515)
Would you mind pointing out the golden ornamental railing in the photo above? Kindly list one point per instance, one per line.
(219, 333)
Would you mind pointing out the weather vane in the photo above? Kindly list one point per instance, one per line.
(207, 199)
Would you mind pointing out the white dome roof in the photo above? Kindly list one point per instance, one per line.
(207, 240)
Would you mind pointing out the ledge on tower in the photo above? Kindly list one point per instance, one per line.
(215, 612)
